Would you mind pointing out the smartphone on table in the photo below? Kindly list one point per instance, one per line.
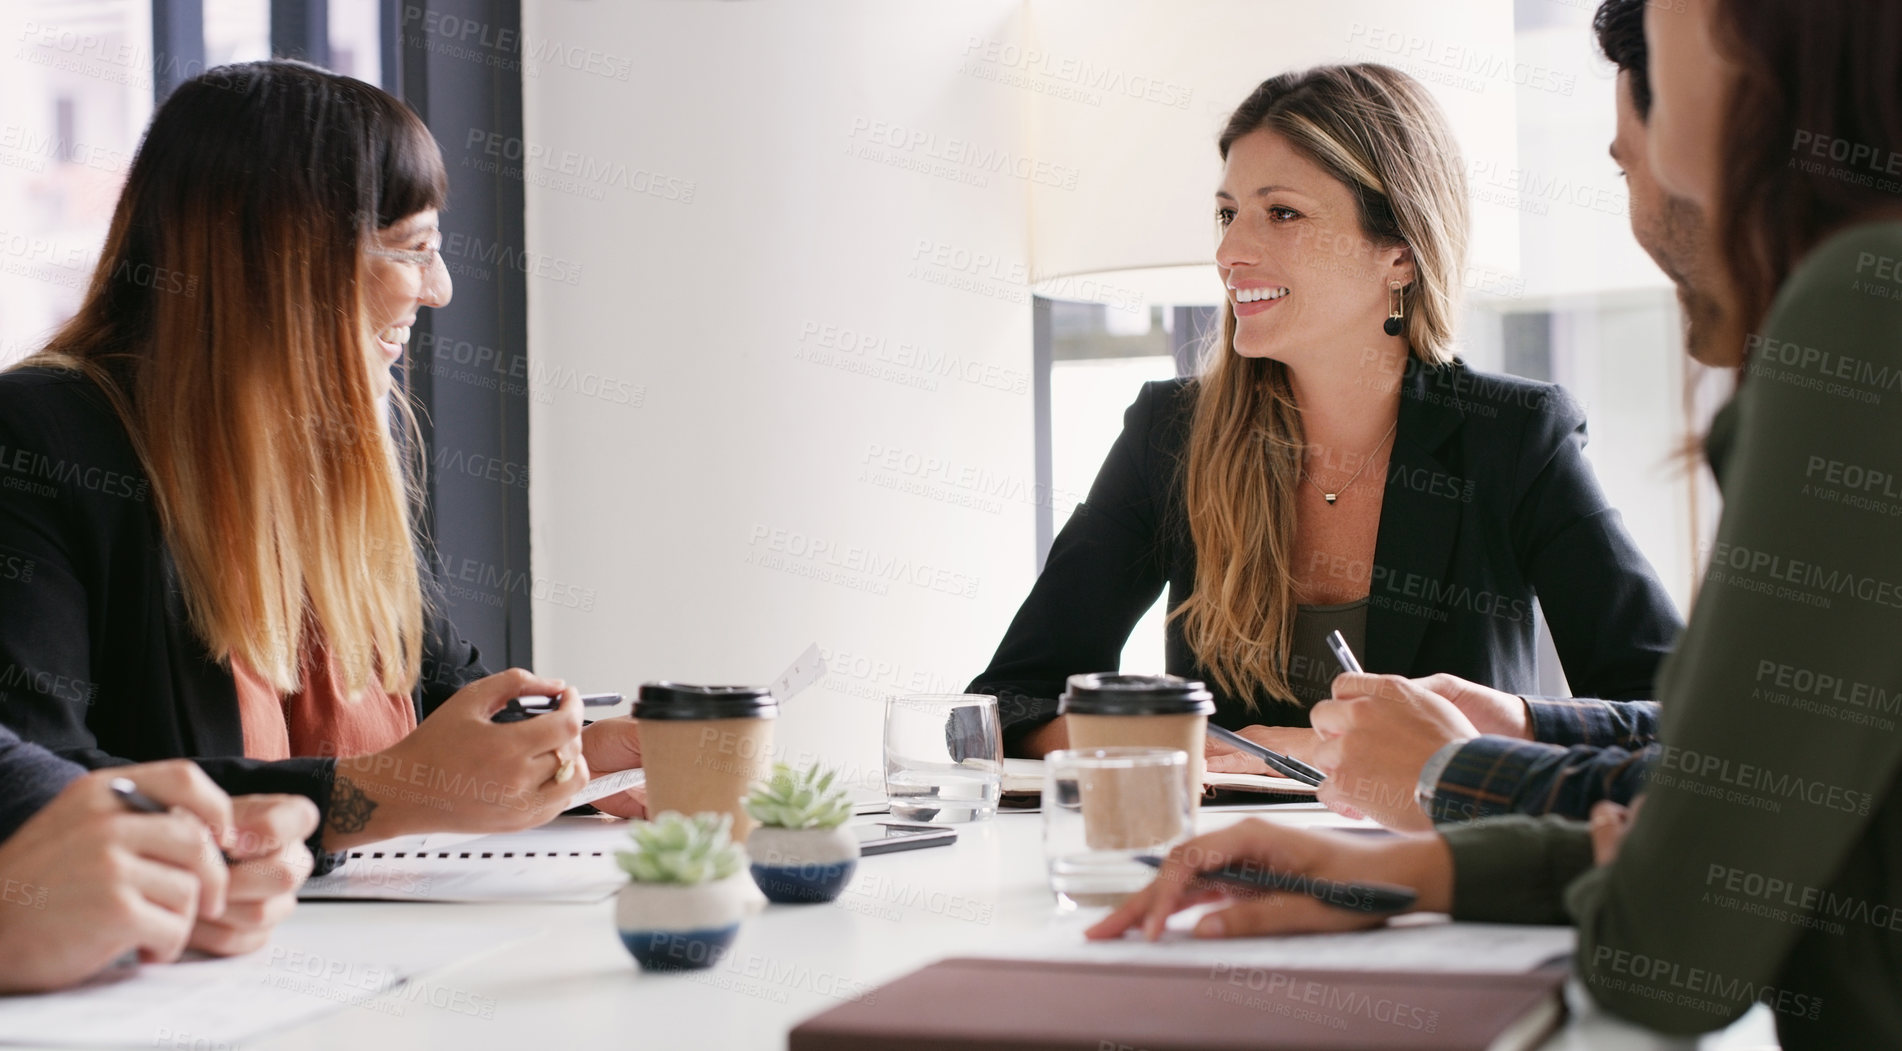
(886, 837)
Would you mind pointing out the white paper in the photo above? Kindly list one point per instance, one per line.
(608, 784)
(316, 963)
(570, 859)
(808, 669)
(1409, 943)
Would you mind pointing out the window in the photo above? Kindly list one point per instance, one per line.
(237, 31)
(1098, 357)
(356, 39)
(79, 90)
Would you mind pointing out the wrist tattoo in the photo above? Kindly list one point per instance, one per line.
(350, 806)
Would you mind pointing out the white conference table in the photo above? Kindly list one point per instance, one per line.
(572, 985)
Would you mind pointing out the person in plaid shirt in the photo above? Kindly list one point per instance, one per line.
(1461, 751)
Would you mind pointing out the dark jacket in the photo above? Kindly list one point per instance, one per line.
(30, 776)
(1489, 503)
(98, 659)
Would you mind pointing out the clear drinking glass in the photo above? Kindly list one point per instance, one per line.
(944, 757)
(1105, 807)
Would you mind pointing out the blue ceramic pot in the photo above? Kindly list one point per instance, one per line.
(802, 866)
(804, 884)
(679, 950)
(671, 927)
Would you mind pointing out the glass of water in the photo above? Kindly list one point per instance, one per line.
(944, 757)
(1103, 808)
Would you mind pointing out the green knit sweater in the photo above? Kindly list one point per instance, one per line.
(1767, 863)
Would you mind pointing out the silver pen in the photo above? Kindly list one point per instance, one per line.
(1338, 643)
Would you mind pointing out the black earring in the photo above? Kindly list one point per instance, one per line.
(1394, 311)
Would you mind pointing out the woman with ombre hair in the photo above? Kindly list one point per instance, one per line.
(219, 523)
(1335, 466)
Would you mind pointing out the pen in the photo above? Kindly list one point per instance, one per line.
(1288, 765)
(138, 802)
(520, 708)
(1342, 894)
(134, 799)
(1338, 643)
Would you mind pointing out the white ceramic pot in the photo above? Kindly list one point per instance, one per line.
(679, 927)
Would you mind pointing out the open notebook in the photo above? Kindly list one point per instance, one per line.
(570, 859)
(1023, 785)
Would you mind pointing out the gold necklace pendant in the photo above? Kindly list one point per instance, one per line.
(1365, 460)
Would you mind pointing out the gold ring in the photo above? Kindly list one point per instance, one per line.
(564, 771)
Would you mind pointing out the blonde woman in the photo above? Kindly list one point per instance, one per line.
(1334, 467)
(1765, 865)
(206, 544)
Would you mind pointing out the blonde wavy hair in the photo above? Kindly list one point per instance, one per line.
(1380, 133)
(225, 323)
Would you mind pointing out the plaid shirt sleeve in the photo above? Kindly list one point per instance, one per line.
(1630, 725)
(1504, 775)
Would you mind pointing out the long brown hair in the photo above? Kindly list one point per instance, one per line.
(1828, 73)
(226, 324)
(1380, 133)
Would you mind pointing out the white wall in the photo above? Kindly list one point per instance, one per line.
(688, 518)
(1136, 92)
(727, 184)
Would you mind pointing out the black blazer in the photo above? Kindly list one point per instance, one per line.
(1489, 503)
(98, 659)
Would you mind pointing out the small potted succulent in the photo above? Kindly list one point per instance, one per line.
(686, 895)
(800, 852)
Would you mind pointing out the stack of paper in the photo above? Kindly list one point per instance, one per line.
(1420, 942)
(316, 963)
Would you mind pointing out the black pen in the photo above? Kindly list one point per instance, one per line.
(520, 708)
(1288, 765)
(1342, 894)
(134, 799)
(138, 802)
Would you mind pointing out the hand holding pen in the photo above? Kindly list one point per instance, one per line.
(1285, 765)
(1377, 733)
(265, 861)
(1293, 880)
(89, 882)
(1342, 894)
(1280, 763)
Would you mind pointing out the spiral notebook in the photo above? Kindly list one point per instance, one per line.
(570, 859)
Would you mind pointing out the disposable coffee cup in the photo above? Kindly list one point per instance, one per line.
(1131, 805)
(1113, 710)
(704, 746)
(1104, 809)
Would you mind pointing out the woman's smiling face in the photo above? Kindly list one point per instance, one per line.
(403, 272)
(1300, 272)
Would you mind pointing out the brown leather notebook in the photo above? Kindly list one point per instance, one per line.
(1027, 1005)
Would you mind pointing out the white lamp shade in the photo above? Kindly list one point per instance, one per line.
(1127, 97)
